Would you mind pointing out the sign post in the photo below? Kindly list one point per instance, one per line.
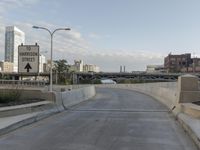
(28, 58)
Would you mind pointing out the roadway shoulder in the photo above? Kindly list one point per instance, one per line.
(191, 126)
(8, 124)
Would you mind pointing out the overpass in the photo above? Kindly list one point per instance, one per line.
(80, 76)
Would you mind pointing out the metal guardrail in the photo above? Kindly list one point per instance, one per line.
(36, 83)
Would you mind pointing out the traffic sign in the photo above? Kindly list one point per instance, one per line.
(28, 58)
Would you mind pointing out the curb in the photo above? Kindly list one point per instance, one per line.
(188, 130)
(30, 120)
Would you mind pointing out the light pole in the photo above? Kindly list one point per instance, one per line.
(51, 34)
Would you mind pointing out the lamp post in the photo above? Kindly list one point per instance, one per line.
(51, 34)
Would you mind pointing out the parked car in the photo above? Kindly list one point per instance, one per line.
(107, 81)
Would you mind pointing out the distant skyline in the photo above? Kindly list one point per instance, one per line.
(108, 33)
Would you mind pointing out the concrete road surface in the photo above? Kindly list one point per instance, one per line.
(113, 120)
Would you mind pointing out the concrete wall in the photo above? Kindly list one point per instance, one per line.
(165, 92)
(188, 89)
(178, 96)
(65, 95)
(74, 96)
(57, 100)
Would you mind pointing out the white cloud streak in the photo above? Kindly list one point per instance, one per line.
(72, 44)
(6, 5)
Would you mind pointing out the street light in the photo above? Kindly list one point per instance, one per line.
(51, 34)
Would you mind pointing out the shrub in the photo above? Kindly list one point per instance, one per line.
(10, 95)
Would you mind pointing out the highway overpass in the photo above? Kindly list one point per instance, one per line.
(80, 77)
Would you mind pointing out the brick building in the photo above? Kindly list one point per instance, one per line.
(181, 63)
(175, 63)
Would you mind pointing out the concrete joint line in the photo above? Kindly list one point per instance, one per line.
(118, 110)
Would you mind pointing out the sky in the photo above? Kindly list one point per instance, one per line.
(108, 33)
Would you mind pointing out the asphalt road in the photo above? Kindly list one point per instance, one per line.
(113, 120)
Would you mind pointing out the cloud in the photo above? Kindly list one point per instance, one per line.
(75, 34)
(6, 5)
(132, 60)
(73, 44)
(63, 41)
(109, 61)
(94, 36)
(98, 36)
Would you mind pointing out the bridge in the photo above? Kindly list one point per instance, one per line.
(91, 76)
(80, 77)
(117, 117)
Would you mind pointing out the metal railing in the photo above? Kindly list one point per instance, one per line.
(24, 83)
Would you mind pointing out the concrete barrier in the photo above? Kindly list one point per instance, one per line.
(174, 95)
(188, 89)
(165, 92)
(58, 100)
(74, 96)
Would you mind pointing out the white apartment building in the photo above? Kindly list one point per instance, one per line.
(6, 66)
(90, 68)
(155, 69)
(47, 65)
(79, 66)
(42, 61)
(13, 38)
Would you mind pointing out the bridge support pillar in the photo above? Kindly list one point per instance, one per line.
(75, 78)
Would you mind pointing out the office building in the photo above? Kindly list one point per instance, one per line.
(13, 38)
(79, 66)
(155, 69)
(6, 66)
(47, 65)
(90, 68)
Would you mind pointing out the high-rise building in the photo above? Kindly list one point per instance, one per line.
(13, 38)
(42, 61)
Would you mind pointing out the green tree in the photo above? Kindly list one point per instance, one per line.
(61, 68)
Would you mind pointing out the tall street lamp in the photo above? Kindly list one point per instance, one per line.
(51, 34)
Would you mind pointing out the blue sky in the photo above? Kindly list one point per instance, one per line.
(108, 33)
